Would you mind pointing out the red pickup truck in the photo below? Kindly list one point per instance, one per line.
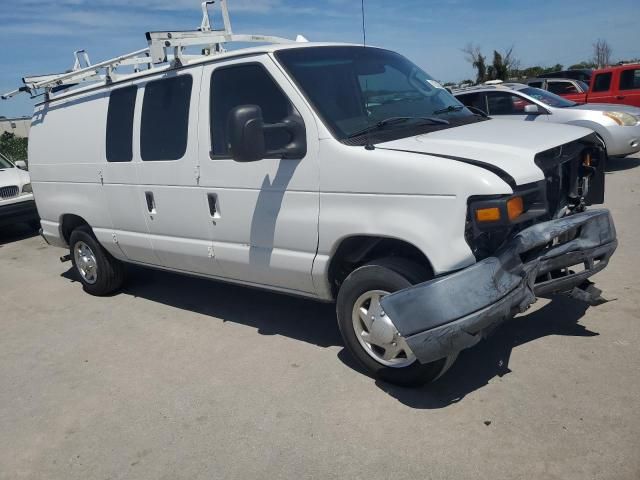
(619, 84)
(616, 85)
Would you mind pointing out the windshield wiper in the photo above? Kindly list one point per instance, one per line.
(450, 108)
(395, 120)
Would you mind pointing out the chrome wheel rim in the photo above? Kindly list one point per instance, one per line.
(85, 262)
(377, 335)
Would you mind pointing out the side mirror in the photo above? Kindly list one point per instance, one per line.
(21, 164)
(246, 133)
(532, 109)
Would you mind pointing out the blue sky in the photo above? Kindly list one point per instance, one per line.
(39, 36)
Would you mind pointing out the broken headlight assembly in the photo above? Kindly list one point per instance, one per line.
(526, 203)
(491, 220)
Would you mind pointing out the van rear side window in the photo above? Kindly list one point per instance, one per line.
(119, 141)
(165, 118)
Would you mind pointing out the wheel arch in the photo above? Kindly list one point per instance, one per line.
(68, 223)
(354, 250)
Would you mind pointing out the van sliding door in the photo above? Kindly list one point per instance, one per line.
(120, 178)
(173, 205)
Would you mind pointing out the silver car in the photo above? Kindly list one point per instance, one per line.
(561, 86)
(617, 125)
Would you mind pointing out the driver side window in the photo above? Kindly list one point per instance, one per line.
(248, 84)
(505, 103)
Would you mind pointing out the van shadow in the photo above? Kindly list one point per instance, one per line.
(616, 164)
(15, 233)
(315, 323)
(269, 313)
(475, 367)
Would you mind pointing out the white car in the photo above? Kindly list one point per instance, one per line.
(617, 125)
(16, 198)
(337, 172)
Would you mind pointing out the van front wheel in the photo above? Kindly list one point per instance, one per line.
(99, 272)
(368, 333)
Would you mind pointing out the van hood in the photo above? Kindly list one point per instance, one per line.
(494, 144)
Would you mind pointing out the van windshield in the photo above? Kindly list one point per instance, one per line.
(353, 88)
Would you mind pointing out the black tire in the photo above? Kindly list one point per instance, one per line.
(34, 224)
(388, 274)
(110, 272)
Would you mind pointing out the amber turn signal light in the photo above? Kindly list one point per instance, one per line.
(515, 207)
(488, 214)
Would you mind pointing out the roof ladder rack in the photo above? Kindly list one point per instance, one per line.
(161, 43)
(163, 47)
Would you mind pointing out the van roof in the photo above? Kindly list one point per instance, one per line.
(193, 61)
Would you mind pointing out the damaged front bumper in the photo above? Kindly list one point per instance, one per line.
(445, 315)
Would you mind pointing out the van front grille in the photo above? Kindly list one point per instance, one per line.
(8, 192)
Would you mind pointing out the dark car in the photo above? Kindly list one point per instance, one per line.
(583, 74)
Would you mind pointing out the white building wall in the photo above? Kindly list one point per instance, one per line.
(18, 126)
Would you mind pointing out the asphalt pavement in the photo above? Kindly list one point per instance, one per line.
(183, 378)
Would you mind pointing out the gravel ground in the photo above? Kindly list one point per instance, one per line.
(178, 378)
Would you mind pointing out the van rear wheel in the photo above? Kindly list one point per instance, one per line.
(368, 333)
(99, 272)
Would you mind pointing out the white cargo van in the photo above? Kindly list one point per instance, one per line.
(337, 172)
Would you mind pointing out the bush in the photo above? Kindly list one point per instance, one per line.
(12, 147)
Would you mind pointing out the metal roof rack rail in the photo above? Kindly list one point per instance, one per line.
(163, 47)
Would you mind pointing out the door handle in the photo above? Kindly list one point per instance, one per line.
(620, 97)
(151, 202)
(214, 210)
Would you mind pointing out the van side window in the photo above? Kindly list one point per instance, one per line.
(602, 82)
(165, 118)
(119, 141)
(246, 85)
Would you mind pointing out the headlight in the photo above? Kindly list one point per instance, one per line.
(490, 213)
(26, 188)
(503, 211)
(621, 118)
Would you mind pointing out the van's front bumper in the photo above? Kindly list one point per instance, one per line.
(450, 313)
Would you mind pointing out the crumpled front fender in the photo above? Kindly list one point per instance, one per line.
(440, 317)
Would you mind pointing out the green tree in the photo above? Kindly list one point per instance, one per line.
(503, 66)
(477, 60)
(499, 70)
(581, 65)
(12, 147)
(556, 68)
